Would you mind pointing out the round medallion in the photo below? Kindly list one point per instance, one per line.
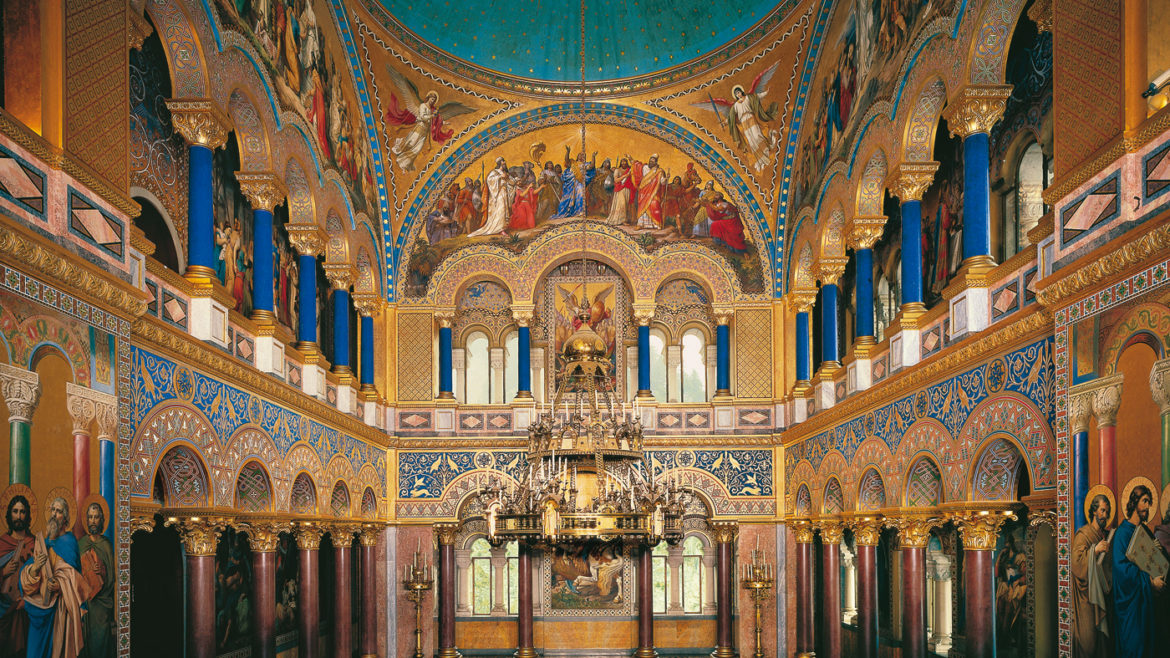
(184, 384)
(921, 404)
(483, 459)
(685, 458)
(255, 410)
(996, 375)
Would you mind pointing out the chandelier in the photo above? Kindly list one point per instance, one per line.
(588, 476)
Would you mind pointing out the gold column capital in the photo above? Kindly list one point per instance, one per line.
(832, 530)
(308, 536)
(643, 314)
(446, 533)
(867, 529)
(802, 530)
(802, 300)
(81, 407)
(340, 275)
(264, 536)
(367, 304)
(910, 180)
(725, 531)
(307, 239)
(979, 525)
(342, 534)
(864, 232)
(830, 269)
(976, 109)
(369, 535)
(723, 314)
(524, 314)
(199, 121)
(914, 527)
(198, 534)
(1080, 411)
(445, 317)
(264, 190)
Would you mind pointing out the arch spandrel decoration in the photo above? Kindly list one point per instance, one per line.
(300, 196)
(167, 425)
(833, 501)
(339, 504)
(921, 125)
(924, 487)
(803, 504)
(1149, 318)
(1016, 417)
(182, 46)
(871, 491)
(871, 188)
(184, 476)
(253, 489)
(989, 47)
(303, 499)
(996, 473)
(251, 135)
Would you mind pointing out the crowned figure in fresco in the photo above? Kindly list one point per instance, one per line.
(424, 116)
(744, 115)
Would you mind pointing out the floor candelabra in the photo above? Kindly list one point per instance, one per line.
(416, 580)
(757, 579)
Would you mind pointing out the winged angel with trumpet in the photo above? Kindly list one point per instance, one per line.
(745, 115)
(424, 116)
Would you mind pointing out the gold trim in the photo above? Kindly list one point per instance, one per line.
(725, 531)
(976, 109)
(910, 180)
(446, 533)
(1070, 282)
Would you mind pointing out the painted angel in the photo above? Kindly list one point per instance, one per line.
(424, 116)
(745, 114)
(595, 307)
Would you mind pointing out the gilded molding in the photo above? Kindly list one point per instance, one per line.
(1093, 274)
(199, 534)
(18, 245)
(1043, 517)
(199, 121)
(914, 528)
(1160, 384)
(139, 242)
(138, 28)
(340, 275)
(725, 532)
(21, 389)
(909, 180)
(307, 239)
(263, 189)
(976, 109)
(446, 533)
(980, 527)
(829, 269)
(864, 232)
(152, 333)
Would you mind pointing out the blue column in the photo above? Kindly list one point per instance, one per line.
(341, 331)
(976, 197)
(829, 349)
(524, 363)
(106, 480)
(200, 218)
(803, 357)
(723, 359)
(445, 372)
(644, 361)
(262, 267)
(307, 302)
(864, 292)
(367, 366)
(911, 252)
(1080, 477)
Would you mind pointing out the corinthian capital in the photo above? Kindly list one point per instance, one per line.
(367, 304)
(445, 317)
(910, 180)
(199, 121)
(1105, 396)
(976, 109)
(643, 314)
(340, 275)
(22, 390)
(830, 269)
(1080, 411)
(980, 527)
(867, 530)
(523, 314)
(264, 536)
(306, 239)
(81, 407)
(802, 301)
(864, 232)
(725, 531)
(802, 530)
(831, 531)
(914, 528)
(446, 532)
(199, 535)
(309, 536)
(262, 188)
(1160, 384)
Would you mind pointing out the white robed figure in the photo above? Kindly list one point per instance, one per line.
(500, 190)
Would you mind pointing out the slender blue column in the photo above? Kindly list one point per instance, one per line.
(911, 252)
(106, 480)
(366, 373)
(523, 363)
(341, 331)
(976, 196)
(307, 300)
(829, 348)
(644, 361)
(803, 359)
(262, 266)
(446, 390)
(1080, 477)
(864, 292)
(200, 218)
(722, 359)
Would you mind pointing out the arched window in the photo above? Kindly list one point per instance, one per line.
(694, 366)
(512, 553)
(479, 376)
(481, 577)
(692, 575)
(158, 231)
(658, 364)
(658, 572)
(511, 365)
(1023, 203)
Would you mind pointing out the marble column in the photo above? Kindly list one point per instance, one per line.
(367, 305)
(673, 373)
(340, 277)
(524, 644)
(829, 271)
(712, 363)
(909, 183)
(708, 562)
(805, 607)
(22, 391)
(263, 539)
(308, 587)
(913, 535)
(978, 529)
(725, 534)
(645, 604)
(459, 374)
(864, 234)
(1106, 400)
(940, 576)
(81, 411)
(496, 372)
(674, 561)
(1079, 414)
(499, 562)
(446, 322)
(463, 581)
(199, 542)
(1160, 388)
(831, 577)
(309, 242)
(368, 638)
(803, 351)
(205, 128)
(866, 533)
(265, 191)
(523, 318)
(849, 590)
(445, 532)
(342, 537)
(643, 316)
(723, 352)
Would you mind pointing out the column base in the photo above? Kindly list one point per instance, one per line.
(526, 652)
(308, 348)
(343, 371)
(263, 317)
(445, 395)
(806, 654)
(523, 395)
(723, 652)
(449, 652)
(368, 388)
(644, 394)
(723, 392)
(645, 652)
(199, 274)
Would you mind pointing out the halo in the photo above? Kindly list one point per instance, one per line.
(102, 503)
(70, 501)
(1141, 479)
(1103, 490)
(13, 490)
(738, 88)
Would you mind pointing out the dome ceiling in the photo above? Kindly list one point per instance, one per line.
(541, 40)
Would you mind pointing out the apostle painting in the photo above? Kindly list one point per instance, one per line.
(1133, 588)
(651, 182)
(97, 568)
(16, 548)
(501, 188)
(53, 588)
(422, 115)
(1089, 588)
(574, 179)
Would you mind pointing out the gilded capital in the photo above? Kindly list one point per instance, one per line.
(308, 537)
(263, 189)
(523, 314)
(976, 109)
(643, 314)
(1041, 13)
(80, 406)
(199, 121)
(1160, 384)
(914, 529)
(369, 536)
(830, 269)
(723, 314)
(802, 301)
(199, 535)
(725, 531)
(864, 232)
(446, 533)
(340, 275)
(867, 530)
(1104, 396)
(445, 317)
(263, 536)
(367, 304)
(979, 528)
(1080, 411)
(141, 520)
(342, 534)
(22, 391)
(306, 239)
(802, 531)
(910, 180)
(831, 531)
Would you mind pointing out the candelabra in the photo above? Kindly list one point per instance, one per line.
(416, 580)
(757, 579)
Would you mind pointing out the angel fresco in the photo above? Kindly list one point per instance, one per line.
(745, 114)
(424, 116)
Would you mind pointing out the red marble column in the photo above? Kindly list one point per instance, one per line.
(368, 542)
(524, 648)
(82, 412)
(308, 585)
(263, 540)
(342, 593)
(867, 534)
(805, 612)
(831, 577)
(199, 540)
(913, 602)
(725, 534)
(446, 535)
(645, 604)
(978, 530)
(1105, 399)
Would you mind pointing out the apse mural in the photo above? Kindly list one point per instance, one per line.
(587, 576)
(628, 180)
(285, 261)
(233, 227)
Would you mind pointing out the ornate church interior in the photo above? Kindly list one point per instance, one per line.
(388, 328)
